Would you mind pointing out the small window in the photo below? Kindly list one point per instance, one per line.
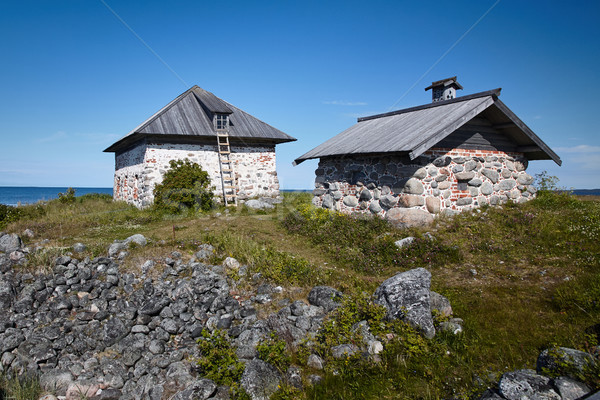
(221, 121)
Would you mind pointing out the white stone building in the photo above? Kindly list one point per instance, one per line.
(452, 154)
(235, 148)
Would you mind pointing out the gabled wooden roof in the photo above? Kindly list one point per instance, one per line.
(190, 114)
(413, 131)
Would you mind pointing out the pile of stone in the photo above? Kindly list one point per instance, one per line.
(527, 384)
(88, 329)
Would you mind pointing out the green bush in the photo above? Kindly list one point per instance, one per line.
(186, 186)
(220, 363)
(68, 196)
(273, 350)
(9, 214)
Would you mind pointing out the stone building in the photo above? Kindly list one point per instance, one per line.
(453, 154)
(235, 148)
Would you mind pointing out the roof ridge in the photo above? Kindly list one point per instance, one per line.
(162, 110)
(493, 92)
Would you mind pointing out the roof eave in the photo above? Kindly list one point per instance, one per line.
(527, 131)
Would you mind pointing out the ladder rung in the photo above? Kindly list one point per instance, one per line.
(224, 151)
(226, 170)
(230, 195)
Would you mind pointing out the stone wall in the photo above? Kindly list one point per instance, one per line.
(139, 169)
(439, 181)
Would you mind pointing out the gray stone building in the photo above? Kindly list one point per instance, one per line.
(453, 154)
(235, 148)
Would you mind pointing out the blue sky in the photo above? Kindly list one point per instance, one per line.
(74, 79)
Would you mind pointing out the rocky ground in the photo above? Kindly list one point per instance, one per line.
(88, 329)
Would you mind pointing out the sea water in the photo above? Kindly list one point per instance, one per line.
(14, 195)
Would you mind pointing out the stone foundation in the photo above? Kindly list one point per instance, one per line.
(440, 181)
(141, 168)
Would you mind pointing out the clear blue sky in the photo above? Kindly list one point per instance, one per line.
(74, 79)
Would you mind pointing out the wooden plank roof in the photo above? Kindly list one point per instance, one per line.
(190, 114)
(414, 130)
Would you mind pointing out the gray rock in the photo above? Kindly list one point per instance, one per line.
(138, 239)
(365, 195)
(413, 186)
(570, 389)
(113, 331)
(464, 176)
(327, 201)
(388, 201)
(525, 384)
(56, 381)
(374, 207)
(490, 395)
(486, 188)
(408, 217)
(491, 174)
(326, 297)
(421, 173)
(258, 205)
(260, 380)
(463, 201)
(154, 306)
(406, 296)
(551, 360)
(475, 182)
(10, 242)
(344, 350)
(507, 184)
(525, 179)
(79, 247)
(350, 201)
(315, 362)
(198, 390)
(440, 304)
(115, 248)
(404, 242)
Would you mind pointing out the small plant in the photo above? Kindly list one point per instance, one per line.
(9, 214)
(68, 196)
(186, 186)
(273, 350)
(220, 363)
(19, 388)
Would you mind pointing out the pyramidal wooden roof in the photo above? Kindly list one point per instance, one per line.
(190, 114)
(413, 131)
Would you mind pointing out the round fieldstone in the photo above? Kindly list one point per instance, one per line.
(413, 186)
(374, 207)
(350, 201)
(388, 201)
(491, 174)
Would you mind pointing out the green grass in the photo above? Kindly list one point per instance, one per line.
(522, 277)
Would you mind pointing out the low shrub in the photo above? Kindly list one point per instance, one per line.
(186, 186)
(220, 363)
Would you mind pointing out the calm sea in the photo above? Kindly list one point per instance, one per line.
(14, 195)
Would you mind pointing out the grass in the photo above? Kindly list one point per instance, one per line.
(522, 277)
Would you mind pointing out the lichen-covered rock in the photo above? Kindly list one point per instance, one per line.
(260, 380)
(570, 389)
(407, 296)
(440, 304)
(525, 384)
(10, 242)
(562, 359)
(326, 297)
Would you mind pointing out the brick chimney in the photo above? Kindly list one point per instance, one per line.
(444, 89)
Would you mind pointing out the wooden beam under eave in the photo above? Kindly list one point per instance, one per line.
(528, 149)
(504, 126)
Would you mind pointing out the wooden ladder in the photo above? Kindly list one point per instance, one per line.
(226, 165)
